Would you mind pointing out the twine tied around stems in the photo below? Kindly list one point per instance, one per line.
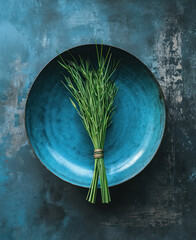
(98, 153)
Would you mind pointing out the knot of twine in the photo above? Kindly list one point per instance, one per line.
(98, 153)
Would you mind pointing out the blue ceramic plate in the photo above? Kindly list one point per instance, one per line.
(59, 139)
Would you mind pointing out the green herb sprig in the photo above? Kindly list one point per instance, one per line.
(93, 93)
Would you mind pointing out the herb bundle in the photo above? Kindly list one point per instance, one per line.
(93, 93)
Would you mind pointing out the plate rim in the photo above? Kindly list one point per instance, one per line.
(155, 80)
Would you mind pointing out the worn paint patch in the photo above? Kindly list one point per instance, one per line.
(169, 53)
(12, 108)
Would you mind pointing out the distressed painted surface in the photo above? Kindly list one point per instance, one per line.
(157, 204)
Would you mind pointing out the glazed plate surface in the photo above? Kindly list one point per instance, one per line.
(59, 139)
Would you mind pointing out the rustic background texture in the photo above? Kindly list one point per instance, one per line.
(160, 203)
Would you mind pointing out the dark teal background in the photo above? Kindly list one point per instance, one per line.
(157, 204)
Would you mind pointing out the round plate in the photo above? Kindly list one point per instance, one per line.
(59, 139)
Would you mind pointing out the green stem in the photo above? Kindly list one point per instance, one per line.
(99, 173)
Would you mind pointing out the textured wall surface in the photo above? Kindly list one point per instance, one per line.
(160, 203)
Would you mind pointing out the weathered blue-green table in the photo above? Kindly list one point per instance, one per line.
(160, 203)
